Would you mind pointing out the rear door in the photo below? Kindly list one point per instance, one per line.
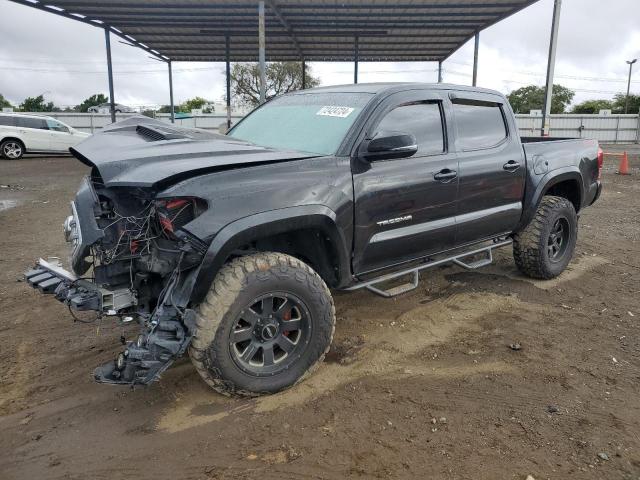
(405, 208)
(491, 167)
(34, 133)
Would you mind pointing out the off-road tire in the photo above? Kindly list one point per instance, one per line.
(530, 247)
(236, 284)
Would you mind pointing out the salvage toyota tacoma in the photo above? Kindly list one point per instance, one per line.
(227, 246)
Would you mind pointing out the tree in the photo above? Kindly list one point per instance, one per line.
(92, 101)
(281, 77)
(531, 97)
(37, 104)
(188, 105)
(194, 104)
(592, 106)
(4, 103)
(619, 100)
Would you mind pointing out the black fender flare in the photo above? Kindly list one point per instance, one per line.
(242, 231)
(546, 182)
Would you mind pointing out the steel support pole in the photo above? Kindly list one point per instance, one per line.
(356, 54)
(551, 64)
(173, 113)
(227, 44)
(112, 102)
(475, 59)
(440, 71)
(626, 100)
(261, 53)
(304, 74)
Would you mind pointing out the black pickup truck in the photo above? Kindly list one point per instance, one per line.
(228, 246)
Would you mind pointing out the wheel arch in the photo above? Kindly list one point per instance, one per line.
(566, 183)
(314, 237)
(17, 139)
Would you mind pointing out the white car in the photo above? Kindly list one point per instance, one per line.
(20, 134)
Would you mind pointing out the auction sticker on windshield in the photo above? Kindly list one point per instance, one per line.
(333, 111)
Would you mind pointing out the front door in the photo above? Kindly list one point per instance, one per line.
(405, 208)
(61, 137)
(491, 168)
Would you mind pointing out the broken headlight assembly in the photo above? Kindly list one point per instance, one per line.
(173, 213)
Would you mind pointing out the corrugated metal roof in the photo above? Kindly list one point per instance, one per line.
(319, 30)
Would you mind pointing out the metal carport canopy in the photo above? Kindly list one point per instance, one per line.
(319, 30)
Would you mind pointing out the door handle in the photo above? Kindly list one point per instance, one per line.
(445, 175)
(511, 166)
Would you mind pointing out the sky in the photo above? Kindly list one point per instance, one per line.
(65, 59)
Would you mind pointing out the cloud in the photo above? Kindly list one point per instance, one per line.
(40, 52)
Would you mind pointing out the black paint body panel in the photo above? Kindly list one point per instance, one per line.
(377, 214)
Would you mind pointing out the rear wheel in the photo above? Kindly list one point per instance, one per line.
(545, 247)
(12, 149)
(267, 321)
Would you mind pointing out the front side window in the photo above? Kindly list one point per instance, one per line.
(316, 123)
(57, 126)
(479, 125)
(423, 120)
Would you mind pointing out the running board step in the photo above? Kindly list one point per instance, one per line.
(483, 262)
(415, 271)
(398, 290)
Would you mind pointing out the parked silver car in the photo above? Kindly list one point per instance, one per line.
(106, 108)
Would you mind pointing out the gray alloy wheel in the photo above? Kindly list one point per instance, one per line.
(12, 149)
(266, 323)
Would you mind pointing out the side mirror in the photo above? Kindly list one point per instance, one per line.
(389, 145)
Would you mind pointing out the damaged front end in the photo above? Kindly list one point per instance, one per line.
(132, 260)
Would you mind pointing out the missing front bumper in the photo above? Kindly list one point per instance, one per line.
(165, 335)
(51, 278)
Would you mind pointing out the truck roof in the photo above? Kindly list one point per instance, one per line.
(390, 87)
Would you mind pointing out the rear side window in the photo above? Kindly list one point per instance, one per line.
(479, 125)
(7, 121)
(26, 122)
(423, 120)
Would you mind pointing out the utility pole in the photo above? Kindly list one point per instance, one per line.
(475, 59)
(112, 101)
(551, 64)
(626, 102)
(261, 54)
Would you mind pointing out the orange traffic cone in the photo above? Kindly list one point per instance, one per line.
(624, 165)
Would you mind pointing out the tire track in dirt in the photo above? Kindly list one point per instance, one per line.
(390, 354)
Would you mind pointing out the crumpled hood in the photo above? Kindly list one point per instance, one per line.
(143, 152)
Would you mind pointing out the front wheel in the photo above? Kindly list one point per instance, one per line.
(545, 247)
(267, 321)
(12, 149)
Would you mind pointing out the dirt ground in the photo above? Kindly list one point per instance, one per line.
(421, 386)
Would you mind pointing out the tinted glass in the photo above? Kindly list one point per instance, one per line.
(26, 122)
(479, 126)
(56, 126)
(314, 122)
(423, 120)
(7, 120)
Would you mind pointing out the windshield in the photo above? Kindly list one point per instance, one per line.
(314, 122)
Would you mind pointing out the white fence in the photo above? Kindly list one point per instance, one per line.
(605, 128)
(90, 122)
